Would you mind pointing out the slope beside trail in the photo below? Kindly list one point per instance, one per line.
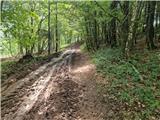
(63, 89)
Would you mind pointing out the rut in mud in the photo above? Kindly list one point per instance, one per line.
(55, 91)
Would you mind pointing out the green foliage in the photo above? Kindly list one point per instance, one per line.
(26, 23)
(17, 23)
(135, 81)
(9, 47)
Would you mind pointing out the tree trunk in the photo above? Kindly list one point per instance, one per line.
(2, 11)
(31, 47)
(95, 30)
(56, 27)
(129, 42)
(39, 39)
(125, 26)
(149, 24)
(87, 34)
(140, 6)
(49, 29)
(113, 26)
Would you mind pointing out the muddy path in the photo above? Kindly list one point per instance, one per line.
(63, 89)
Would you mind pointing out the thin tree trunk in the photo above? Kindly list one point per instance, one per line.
(56, 27)
(30, 49)
(95, 31)
(129, 41)
(150, 27)
(49, 30)
(125, 26)
(87, 34)
(113, 26)
(2, 11)
(136, 23)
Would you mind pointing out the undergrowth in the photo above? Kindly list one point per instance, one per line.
(135, 83)
(9, 68)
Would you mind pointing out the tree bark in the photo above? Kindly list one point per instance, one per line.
(125, 26)
(2, 11)
(149, 24)
(113, 26)
(95, 30)
(49, 29)
(129, 42)
(56, 27)
(140, 6)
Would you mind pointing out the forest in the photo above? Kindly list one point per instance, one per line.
(80, 60)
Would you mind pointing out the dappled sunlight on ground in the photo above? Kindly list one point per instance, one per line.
(83, 69)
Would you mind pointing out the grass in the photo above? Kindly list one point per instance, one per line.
(134, 83)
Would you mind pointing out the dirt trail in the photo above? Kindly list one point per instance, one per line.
(63, 89)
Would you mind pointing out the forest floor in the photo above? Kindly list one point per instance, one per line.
(62, 89)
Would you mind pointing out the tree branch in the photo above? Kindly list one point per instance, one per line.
(106, 11)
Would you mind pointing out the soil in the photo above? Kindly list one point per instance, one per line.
(62, 89)
(24, 66)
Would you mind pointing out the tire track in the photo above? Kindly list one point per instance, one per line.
(12, 97)
(30, 95)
